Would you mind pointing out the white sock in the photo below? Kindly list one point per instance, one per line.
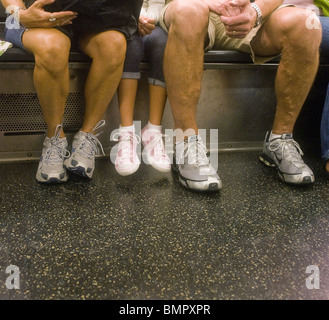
(274, 136)
(154, 126)
(127, 128)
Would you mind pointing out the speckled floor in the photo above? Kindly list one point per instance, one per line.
(146, 237)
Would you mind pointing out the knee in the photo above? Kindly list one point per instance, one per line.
(111, 49)
(189, 17)
(300, 29)
(52, 54)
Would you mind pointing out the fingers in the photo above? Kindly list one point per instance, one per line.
(146, 25)
(41, 3)
(239, 3)
(237, 26)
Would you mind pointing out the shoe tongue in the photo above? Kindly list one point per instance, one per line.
(286, 136)
(193, 138)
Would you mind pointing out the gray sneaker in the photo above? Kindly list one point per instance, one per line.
(285, 154)
(84, 149)
(54, 152)
(193, 166)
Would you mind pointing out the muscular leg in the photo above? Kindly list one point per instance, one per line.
(107, 50)
(285, 32)
(187, 21)
(51, 74)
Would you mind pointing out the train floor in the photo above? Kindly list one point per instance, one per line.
(146, 237)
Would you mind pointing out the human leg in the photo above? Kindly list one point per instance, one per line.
(50, 48)
(127, 161)
(324, 131)
(107, 50)
(154, 152)
(286, 32)
(187, 22)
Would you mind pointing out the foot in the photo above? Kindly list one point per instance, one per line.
(285, 154)
(51, 166)
(193, 166)
(84, 149)
(126, 161)
(154, 149)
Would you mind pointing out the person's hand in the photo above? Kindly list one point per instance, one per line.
(225, 7)
(145, 25)
(36, 17)
(240, 25)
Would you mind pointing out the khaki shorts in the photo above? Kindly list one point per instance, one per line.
(218, 40)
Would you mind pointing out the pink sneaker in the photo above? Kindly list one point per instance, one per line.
(154, 149)
(127, 161)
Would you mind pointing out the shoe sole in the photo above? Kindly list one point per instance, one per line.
(52, 180)
(307, 180)
(210, 187)
(80, 171)
(124, 173)
(154, 165)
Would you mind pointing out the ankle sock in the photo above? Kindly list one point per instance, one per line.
(154, 126)
(127, 128)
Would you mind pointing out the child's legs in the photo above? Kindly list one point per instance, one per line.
(128, 86)
(155, 44)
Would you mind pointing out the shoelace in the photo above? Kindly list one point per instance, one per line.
(89, 146)
(293, 150)
(196, 152)
(56, 152)
(124, 144)
(157, 144)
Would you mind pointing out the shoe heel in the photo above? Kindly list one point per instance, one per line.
(267, 161)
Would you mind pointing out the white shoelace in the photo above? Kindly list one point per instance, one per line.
(124, 147)
(293, 151)
(157, 145)
(89, 146)
(196, 153)
(56, 152)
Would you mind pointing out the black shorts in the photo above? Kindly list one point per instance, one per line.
(95, 16)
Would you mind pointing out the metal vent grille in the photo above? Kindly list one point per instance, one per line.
(22, 113)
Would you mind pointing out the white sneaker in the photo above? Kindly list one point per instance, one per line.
(154, 149)
(84, 149)
(51, 168)
(127, 161)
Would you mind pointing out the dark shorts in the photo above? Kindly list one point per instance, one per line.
(92, 18)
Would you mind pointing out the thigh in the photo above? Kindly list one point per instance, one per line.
(103, 44)
(37, 40)
(269, 39)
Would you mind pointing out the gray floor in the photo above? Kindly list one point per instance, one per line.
(146, 237)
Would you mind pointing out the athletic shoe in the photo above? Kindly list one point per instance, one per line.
(51, 168)
(285, 154)
(84, 149)
(193, 166)
(154, 149)
(126, 161)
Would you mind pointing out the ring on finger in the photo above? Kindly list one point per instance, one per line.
(52, 18)
(234, 33)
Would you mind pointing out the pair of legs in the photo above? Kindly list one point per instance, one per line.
(284, 32)
(51, 48)
(148, 48)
